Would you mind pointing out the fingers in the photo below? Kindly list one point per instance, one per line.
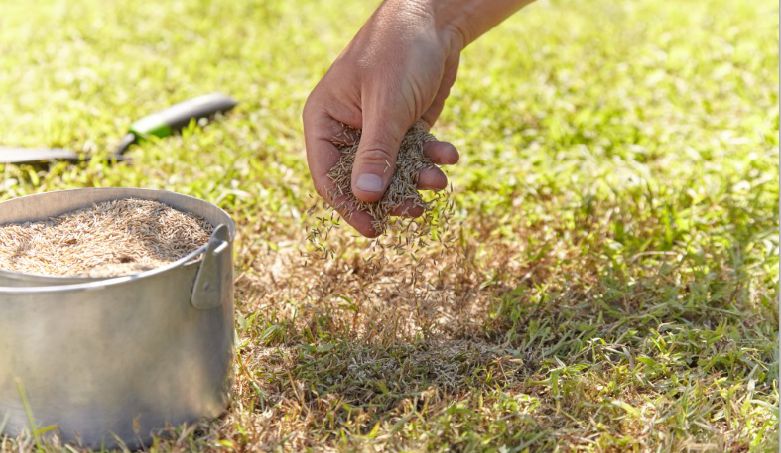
(322, 154)
(361, 221)
(432, 178)
(375, 160)
(442, 153)
(407, 209)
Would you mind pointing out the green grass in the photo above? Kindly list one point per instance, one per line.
(608, 282)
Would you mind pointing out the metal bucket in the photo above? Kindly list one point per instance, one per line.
(108, 361)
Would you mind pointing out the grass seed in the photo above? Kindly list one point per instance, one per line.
(112, 238)
(402, 191)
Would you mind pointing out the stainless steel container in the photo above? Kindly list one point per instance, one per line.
(110, 360)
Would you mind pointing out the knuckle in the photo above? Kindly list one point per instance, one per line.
(375, 155)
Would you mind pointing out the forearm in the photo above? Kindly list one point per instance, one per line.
(466, 20)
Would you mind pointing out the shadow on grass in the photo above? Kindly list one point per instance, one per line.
(613, 329)
(652, 359)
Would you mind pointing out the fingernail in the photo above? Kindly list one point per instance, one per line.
(369, 182)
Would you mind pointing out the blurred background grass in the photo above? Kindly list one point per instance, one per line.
(616, 224)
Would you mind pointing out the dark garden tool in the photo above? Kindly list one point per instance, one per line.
(159, 124)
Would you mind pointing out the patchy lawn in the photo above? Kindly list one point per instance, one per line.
(608, 280)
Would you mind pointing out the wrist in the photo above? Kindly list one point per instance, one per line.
(451, 20)
(462, 21)
(445, 18)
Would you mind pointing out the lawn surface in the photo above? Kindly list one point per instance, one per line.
(607, 283)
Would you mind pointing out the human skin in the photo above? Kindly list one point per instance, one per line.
(398, 68)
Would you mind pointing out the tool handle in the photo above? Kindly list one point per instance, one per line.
(177, 117)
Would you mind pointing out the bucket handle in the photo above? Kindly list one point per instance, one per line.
(214, 271)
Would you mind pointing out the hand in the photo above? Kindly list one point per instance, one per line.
(399, 68)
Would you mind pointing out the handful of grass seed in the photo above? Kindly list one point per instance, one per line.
(113, 238)
(403, 187)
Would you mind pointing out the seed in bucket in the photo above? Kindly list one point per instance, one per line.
(402, 190)
(112, 238)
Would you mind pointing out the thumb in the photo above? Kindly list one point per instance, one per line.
(375, 160)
